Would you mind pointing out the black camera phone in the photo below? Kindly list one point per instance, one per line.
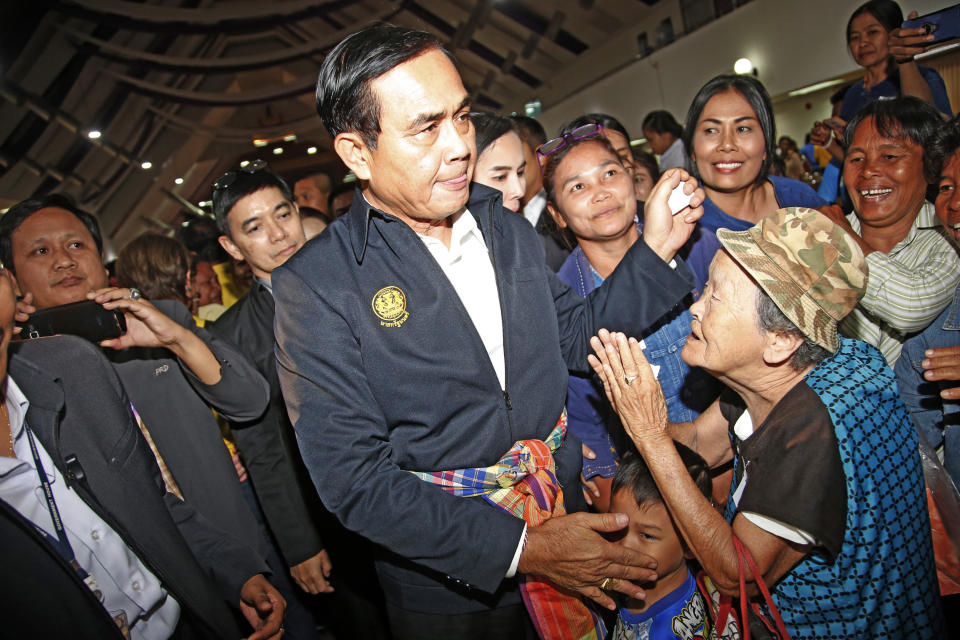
(943, 24)
(86, 319)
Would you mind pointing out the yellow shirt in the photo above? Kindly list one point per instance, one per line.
(230, 290)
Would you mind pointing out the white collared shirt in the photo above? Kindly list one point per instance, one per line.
(468, 267)
(536, 206)
(128, 587)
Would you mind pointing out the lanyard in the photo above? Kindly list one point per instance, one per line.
(59, 540)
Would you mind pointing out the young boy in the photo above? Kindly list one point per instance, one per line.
(674, 608)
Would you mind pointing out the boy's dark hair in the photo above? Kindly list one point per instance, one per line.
(903, 118)
(344, 99)
(606, 121)
(756, 95)
(634, 474)
(661, 121)
(19, 212)
(646, 160)
(243, 184)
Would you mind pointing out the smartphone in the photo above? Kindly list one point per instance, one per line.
(86, 319)
(943, 24)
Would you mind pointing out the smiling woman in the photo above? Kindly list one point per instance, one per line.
(590, 192)
(731, 138)
(913, 267)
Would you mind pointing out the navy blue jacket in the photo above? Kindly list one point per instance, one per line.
(378, 384)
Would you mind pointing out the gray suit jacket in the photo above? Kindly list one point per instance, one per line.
(175, 406)
(80, 413)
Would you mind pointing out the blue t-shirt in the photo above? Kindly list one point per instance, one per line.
(857, 97)
(679, 615)
(787, 191)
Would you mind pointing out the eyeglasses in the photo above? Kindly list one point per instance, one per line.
(230, 177)
(552, 146)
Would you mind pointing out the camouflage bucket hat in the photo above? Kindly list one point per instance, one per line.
(810, 267)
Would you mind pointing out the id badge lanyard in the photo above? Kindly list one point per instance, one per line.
(59, 539)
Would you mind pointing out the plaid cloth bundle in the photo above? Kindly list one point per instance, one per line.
(524, 484)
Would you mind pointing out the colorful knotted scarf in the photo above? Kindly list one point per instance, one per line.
(524, 484)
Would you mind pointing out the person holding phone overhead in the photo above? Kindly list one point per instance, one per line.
(886, 51)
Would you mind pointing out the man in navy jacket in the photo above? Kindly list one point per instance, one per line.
(393, 358)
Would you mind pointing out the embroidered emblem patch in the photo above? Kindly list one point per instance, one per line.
(390, 305)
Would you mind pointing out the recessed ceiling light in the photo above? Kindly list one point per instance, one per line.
(311, 150)
(93, 134)
(146, 164)
(277, 151)
(178, 181)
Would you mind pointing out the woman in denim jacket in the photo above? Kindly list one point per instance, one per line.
(589, 192)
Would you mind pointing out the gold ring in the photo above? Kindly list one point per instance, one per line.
(606, 583)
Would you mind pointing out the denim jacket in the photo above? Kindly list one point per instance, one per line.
(938, 420)
(688, 392)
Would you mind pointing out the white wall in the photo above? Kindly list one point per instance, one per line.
(793, 43)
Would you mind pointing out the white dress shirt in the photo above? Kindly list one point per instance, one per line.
(536, 206)
(468, 267)
(129, 590)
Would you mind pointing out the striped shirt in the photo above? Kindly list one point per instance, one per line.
(907, 288)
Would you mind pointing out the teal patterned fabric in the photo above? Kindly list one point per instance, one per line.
(883, 583)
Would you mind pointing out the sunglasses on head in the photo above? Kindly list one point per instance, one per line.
(230, 177)
(552, 146)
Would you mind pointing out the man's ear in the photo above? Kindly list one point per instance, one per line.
(354, 152)
(230, 248)
(556, 216)
(780, 347)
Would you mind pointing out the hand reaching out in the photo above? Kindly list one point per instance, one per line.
(630, 385)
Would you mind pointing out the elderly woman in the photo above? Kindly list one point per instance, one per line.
(828, 493)
(914, 270)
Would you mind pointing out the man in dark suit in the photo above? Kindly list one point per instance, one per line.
(173, 371)
(259, 225)
(422, 332)
(130, 558)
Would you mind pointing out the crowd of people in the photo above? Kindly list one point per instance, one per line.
(500, 386)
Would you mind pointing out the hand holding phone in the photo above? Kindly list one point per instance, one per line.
(919, 33)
